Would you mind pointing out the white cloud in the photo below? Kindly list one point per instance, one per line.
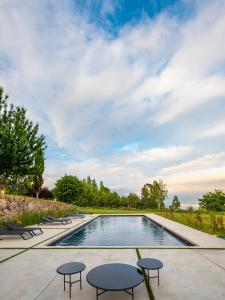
(203, 174)
(171, 153)
(90, 92)
(202, 163)
(215, 130)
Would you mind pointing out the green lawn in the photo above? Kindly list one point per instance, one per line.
(113, 210)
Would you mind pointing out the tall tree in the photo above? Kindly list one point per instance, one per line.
(154, 194)
(38, 170)
(175, 203)
(19, 141)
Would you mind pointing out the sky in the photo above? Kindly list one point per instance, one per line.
(125, 91)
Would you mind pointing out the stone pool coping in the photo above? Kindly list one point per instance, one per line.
(200, 239)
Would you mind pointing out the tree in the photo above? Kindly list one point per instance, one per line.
(38, 170)
(45, 193)
(154, 194)
(68, 189)
(133, 200)
(213, 201)
(175, 203)
(17, 185)
(19, 142)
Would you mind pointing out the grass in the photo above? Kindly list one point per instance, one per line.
(148, 287)
(212, 223)
(106, 210)
(30, 218)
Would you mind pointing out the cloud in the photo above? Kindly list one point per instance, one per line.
(193, 76)
(202, 163)
(215, 130)
(143, 104)
(160, 154)
(203, 174)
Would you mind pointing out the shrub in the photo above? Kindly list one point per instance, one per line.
(68, 189)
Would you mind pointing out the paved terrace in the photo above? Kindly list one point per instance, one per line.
(28, 268)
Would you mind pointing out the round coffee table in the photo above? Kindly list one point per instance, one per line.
(115, 277)
(70, 269)
(150, 264)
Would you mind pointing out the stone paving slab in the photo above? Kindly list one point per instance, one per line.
(36, 278)
(195, 236)
(18, 242)
(6, 253)
(189, 274)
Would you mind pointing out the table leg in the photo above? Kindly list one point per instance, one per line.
(158, 276)
(97, 294)
(132, 294)
(70, 285)
(64, 282)
(148, 278)
(80, 281)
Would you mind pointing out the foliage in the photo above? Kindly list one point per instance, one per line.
(21, 147)
(68, 189)
(175, 203)
(44, 193)
(154, 194)
(109, 210)
(88, 193)
(18, 185)
(30, 218)
(213, 201)
(133, 200)
(212, 223)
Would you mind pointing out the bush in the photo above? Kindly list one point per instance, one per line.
(213, 201)
(68, 189)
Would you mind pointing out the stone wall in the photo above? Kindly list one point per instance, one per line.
(12, 206)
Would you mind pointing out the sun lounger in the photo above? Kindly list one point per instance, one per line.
(74, 215)
(16, 227)
(63, 220)
(23, 234)
(47, 220)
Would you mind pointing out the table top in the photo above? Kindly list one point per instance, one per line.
(71, 268)
(115, 277)
(150, 263)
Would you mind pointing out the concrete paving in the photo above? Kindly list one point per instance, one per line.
(189, 274)
(36, 278)
(49, 231)
(197, 237)
(7, 253)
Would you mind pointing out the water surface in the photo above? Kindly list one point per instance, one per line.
(120, 231)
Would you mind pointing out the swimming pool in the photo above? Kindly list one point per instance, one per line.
(121, 231)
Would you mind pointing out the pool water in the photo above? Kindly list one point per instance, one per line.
(120, 231)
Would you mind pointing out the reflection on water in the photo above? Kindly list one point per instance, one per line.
(120, 231)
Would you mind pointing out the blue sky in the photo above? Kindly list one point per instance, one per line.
(125, 91)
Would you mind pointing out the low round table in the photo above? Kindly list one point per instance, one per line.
(115, 277)
(70, 269)
(150, 264)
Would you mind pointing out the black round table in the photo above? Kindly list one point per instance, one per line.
(70, 269)
(115, 277)
(150, 264)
